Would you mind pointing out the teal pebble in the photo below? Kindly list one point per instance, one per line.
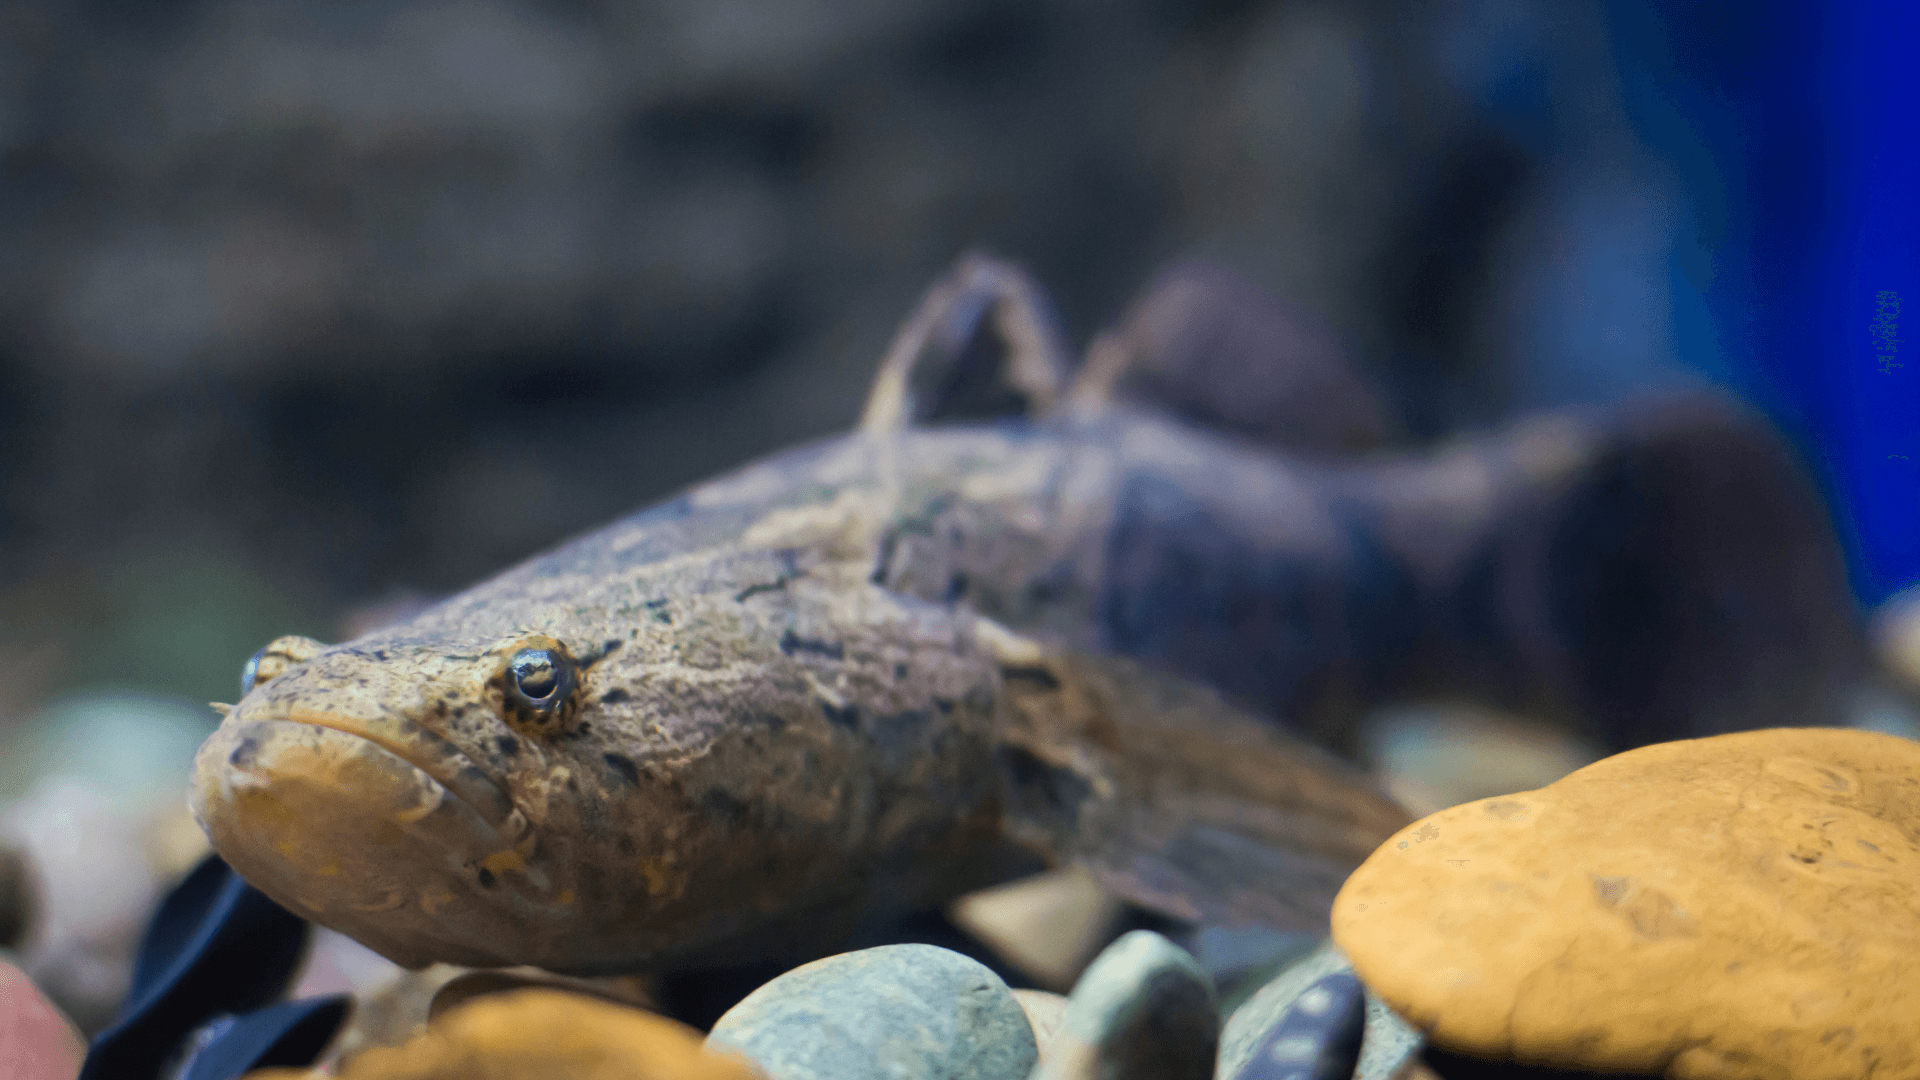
(897, 1012)
(1143, 1010)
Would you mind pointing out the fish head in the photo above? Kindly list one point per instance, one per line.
(438, 800)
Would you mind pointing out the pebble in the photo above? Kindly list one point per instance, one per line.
(91, 889)
(1739, 906)
(894, 1011)
(17, 889)
(1144, 1010)
(1304, 1025)
(215, 956)
(389, 1014)
(93, 827)
(539, 1032)
(286, 1035)
(390, 1011)
(1045, 1011)
(132, 749)
(1315, 1020)
(1048, 927)
(1895, 634)
(1239, 960)
(337, 964)
(36, 1041)
(1389, 1046)
(1433, 755)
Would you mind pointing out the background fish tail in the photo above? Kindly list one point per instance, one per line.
(1656, 570)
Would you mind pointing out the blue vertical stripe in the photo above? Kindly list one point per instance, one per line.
(1866, 295)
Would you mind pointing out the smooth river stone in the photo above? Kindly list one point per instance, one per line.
(36, 1041)
(915, 1011)
(1046, 1011)
(1048, 927)
(1746, 905)
(1143, 1010)
(1895, 634)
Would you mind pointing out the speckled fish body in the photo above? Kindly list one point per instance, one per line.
(867, 674)
(825, 677)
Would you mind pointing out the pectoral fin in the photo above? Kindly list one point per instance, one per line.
(1178, 801)
(1193, 864)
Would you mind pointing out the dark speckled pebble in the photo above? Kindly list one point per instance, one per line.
(1317, 1038)
(1315, 1021)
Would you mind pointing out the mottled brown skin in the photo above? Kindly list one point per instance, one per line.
(867, 674)
(773, 716)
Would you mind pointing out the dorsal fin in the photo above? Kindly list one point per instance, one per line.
(1204, 344)
(983, 342)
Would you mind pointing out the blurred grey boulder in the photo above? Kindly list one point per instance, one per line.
(1438, 754)
(93, 888)
(1896, 638)
(94, 813)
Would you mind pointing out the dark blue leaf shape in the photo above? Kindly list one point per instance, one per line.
(216, 945)
(1317, 1038)
(291, 1034)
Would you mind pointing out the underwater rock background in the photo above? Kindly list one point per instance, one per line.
(305, 309)
(308, 313)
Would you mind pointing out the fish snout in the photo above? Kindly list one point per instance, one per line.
(380, 829)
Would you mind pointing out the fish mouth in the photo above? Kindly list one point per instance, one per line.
(443, 762)
(342, 823)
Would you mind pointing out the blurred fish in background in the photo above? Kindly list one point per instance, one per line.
(310, 312)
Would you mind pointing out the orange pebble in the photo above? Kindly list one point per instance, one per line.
(551, 1034)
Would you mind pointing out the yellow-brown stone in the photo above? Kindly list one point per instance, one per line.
(1741, 906)
(549, 1034)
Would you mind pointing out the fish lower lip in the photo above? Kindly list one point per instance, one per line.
(428, 752)
(342, 831)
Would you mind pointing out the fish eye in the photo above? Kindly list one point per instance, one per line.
(252, 671)
(278, 657)
(536, 687)
(540, 678)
